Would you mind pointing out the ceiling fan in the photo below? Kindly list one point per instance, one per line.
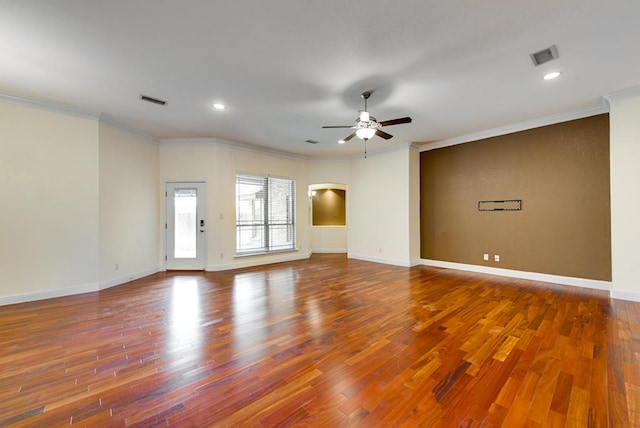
(366, 126)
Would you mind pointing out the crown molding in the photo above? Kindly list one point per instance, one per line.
(389, 149)
(260, 149)
(234, 145)
(517, 127)
(344, 158)
(49, 106)
(357, 156)
(633, 91)
(115, 123)
(329, 185)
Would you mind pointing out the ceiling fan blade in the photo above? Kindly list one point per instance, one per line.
(350, 136)
(383, 134)
(396, 121)
(339, 126)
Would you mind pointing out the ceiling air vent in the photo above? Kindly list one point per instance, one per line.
(311, 141)
(545, 55)
(152, 100)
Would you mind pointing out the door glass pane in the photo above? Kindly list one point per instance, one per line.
(185, 226)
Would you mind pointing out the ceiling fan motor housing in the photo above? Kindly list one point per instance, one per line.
(366, 121)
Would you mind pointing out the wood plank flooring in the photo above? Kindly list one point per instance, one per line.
(323, 342)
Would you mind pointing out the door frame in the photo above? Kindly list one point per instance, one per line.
(189, 264)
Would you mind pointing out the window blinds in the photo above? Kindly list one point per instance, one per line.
(265, 214)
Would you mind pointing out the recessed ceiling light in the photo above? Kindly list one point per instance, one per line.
(341, 142)
(219, 106)
(552, 75)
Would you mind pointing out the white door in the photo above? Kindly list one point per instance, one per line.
(185, 227)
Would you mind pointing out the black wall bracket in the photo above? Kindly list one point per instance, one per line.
(506, 205)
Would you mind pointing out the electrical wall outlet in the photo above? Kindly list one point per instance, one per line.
(496, 257)
(485, 257)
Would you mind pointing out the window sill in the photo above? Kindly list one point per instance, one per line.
(242, 256)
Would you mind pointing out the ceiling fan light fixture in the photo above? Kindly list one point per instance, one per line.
(366, 126)
(365, 133)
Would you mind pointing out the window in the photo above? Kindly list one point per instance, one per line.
(265, 213)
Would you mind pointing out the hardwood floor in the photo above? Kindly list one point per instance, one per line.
(323, 342)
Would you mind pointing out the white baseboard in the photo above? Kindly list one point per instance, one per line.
(626, 295)
(556, 279)
(249, 261)
(534, 276)
(131, 277)
(395, 262)
(49, 294)
(328, 250)
(415, 262)
(71, 291)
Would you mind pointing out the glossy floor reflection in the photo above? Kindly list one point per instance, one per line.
(184, 326)
(323, 342)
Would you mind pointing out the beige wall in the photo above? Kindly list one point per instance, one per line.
(83, 199)
(414, 206)
(334, 173)
(561, 173)
(625, 196)
(50, 158)
(379, 205)
(328, 239)
(329, 171)
(49, 194)
(129, 202)
(216, 163)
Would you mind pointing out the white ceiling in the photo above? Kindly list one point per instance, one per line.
(287, 67)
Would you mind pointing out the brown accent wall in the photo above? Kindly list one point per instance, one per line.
(561, 174)
(329, 207)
